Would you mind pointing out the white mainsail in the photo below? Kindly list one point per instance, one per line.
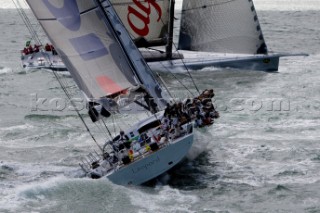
(226, 26)
(146, 19)
(89, 45)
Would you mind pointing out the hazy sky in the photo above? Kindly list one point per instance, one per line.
(260, 4)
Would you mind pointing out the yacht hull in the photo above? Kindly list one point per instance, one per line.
(199, 60)
(154, 164)
(43, 60)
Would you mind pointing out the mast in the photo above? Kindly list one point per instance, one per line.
(99, 53)
(139, 66)
(99, 3)
(108, 10)
(170, 30)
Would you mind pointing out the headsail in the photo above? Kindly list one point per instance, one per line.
(89, 45)
(146, 20)
(228, 26)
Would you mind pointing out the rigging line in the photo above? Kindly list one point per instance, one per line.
(106, 127)
(66, 86)
(194, 83)
(81, 118)
(177, 78)
(118, 124)
(183, 64)
(35, 36)
(124, 123)
(159, 76)
(26, 20)
(114, 126)
(165, 85)
(103, 131)
(174, 77)
(163, 82)
(21, 15)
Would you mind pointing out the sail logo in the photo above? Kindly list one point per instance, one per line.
(142, 13)
(146, 166)
(68, 15)
(88, 46)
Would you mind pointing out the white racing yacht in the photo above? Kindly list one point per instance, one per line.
(111, 73)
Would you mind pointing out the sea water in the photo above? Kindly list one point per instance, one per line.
(262, 154)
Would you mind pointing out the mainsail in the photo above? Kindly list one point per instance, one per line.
(145, 20)
(227, 26)
(87, 40)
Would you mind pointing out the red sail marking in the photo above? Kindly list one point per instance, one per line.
(108, 85)
(143, 17)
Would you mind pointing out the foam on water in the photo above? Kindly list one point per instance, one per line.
(253, 161)
(161, 199)
(200, 144)
(5, 70)
(15, 128)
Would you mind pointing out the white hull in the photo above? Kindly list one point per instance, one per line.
(145, 165)
(154, 164)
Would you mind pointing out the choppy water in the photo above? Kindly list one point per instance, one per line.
(260, 158)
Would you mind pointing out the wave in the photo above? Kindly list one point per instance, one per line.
(5, 170)
(287, 5)
(154, 200)
(60, 194)
(47, 117)
(290, 173)
(5, 70)
(17, 127)
(203, 138)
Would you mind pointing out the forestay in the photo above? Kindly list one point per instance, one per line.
(146, 19)
(89, 45)
(228, 26)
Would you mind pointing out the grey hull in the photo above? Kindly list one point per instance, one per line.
(267, 63)
(198, 60)
(154, 164)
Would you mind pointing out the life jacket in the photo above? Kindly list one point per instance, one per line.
(130, 153)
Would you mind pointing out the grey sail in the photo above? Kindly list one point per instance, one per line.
(89, 46)
(226, 26)
(146, 21)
